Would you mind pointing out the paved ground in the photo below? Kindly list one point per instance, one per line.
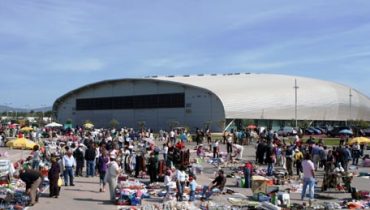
(86, 195)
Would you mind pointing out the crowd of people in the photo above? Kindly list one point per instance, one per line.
(107, 153)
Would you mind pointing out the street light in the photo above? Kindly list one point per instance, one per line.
(350, 104)
(7, 109)
(42, 110)
(296, 101)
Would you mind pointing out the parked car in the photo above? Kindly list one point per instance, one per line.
(366, 132)
(312, 131)
(286, 131)
(335, 131)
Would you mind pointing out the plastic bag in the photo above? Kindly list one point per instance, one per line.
(60, 182)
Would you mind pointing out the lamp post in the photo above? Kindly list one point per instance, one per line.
(42, 110)
(7, 109)
(296, 101)
(350, 104)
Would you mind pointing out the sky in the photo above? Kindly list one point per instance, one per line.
(48, 48)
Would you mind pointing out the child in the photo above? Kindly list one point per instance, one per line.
(193, 187)
(167, 180)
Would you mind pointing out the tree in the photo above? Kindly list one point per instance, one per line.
(173, 123)
(141, 124)
(114, 123)
(221, 124)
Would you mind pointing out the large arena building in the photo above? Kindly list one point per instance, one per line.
(211, 100)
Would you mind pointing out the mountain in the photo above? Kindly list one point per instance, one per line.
(13, 109)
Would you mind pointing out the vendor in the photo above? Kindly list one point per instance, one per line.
(216, 186)
(32, 178)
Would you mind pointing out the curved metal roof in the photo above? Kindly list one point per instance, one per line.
(270, 96)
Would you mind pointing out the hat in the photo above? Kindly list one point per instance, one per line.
(296, 149)
(81, 145)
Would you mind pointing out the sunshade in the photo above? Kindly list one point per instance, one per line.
(346, 131)
(359, 140)
(53, 125)
(26, 129)
(88, 125)
(21, 143)
(251, 126)
(14, 125)
(149, 140)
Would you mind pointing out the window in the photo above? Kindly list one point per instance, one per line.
(172, 100)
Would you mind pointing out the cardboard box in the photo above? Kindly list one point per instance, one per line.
(260, 184)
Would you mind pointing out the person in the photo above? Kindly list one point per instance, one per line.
(32, 178)
(111, 175)
(102, 169)
(330, 161)
(215, 149)
(180, 182)
(308, 176)
(217, 185)
(193, 187)
(53, 176)
(153, 167)
(270, 158)
(248, 170)
(200, 151)
(180, 145)
(79, 157)
(36, 157)
(229, 143)
(167, 182)
(298, 157)
(316, 150)
(90, 155)
(355, 153)
(289, 154)
(165, 151)
(69, 163)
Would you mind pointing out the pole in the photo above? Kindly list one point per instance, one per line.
(296, 102)
(350, 104)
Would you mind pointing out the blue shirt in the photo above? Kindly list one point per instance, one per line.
(69, 161)
(193, 185)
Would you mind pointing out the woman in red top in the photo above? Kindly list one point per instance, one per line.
(180, 145)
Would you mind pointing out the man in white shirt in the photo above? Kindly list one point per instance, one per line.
(180, 182)
(308, 176)
(69, 164)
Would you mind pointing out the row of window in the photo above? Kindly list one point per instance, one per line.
(172, 100)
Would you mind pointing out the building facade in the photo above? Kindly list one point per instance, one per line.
(211, 100)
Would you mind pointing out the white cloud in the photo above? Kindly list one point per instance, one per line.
(82, 65)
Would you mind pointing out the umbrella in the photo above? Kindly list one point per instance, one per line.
(88, 125)
(149, 140)
(359, 140)
(346, 131)
(251, 126)
(21, 143)
(53, 125)
(26, 129)
(12, 126)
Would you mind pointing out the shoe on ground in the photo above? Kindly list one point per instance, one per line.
(72, 185)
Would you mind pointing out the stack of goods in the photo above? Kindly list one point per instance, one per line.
(6, 171)
(13, 196)
(130, 192)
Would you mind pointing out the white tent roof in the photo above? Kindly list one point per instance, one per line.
(269, 96)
